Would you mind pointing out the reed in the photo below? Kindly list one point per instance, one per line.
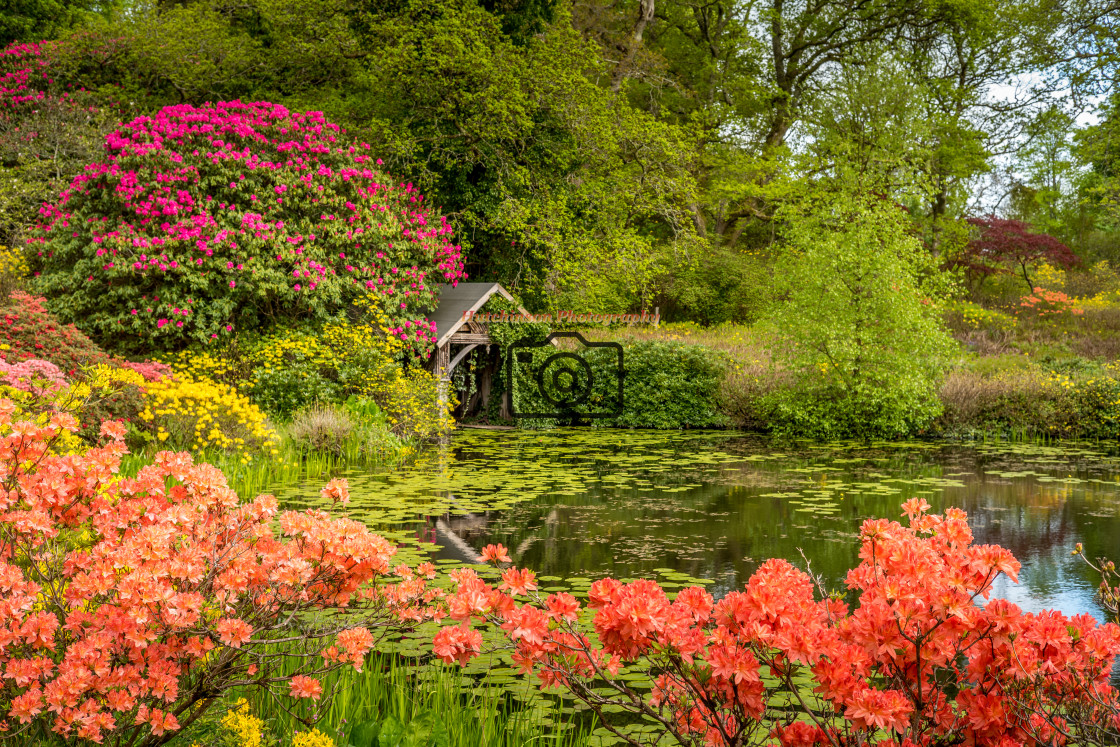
(393, 694)
(295, 463)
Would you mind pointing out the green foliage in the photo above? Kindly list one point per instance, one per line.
(558, 183)
(32, 20)
(49, 130)
(666, 385)
(365, 411)
(859, 330)
(504, 335)
(672, 385)
(425, 730)
(400, 702)
(282, 391)
(722, 287)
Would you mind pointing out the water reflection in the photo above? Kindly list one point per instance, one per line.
(714, 506)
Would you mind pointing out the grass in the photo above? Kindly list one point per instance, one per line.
(403, 703)
(294, 463)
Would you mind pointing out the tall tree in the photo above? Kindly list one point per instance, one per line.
(34, 20)
(959, 62)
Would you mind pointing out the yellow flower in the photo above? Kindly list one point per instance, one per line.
(243, 726)
(313, 738)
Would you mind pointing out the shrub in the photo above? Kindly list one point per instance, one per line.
(201, 414)
(965, 315)
(665, 384)
(49, 130)
(13, 270)
(290, 369)
(122, 629)
(410, 402)
(1014, 402)
(748, 391)
(1046, 303)
(283, 390)
(243, 729)
(859, 331)
(1075, 398)
(918, 658)
(1009, 246)
(33, 375)
(28, 330)
(322, 428)
(149, 370)
(109, 393)
(237, 216)
(672, 385)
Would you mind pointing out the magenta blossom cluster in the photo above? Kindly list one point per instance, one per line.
(23, 75)
(203, 221)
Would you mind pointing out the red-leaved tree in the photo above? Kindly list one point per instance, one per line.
(128, 605)
(918, 659)
(1002, 245)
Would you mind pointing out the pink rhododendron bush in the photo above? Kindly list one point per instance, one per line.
(205, 221)
(918, 659)
(127, 605)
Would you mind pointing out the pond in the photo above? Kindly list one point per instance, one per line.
(709, 507)
(683, 507)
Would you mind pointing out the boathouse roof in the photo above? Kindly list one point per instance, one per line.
(455, 301)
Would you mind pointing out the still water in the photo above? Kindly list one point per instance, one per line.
(683, 507)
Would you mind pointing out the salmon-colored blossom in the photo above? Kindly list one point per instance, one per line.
(302, 686)
(495, 553)
(875, 672)
(170, 578)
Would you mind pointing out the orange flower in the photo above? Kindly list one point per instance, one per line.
(302, 686)
(337, 490)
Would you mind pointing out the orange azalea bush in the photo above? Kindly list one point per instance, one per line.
(918, 659)
(1045, 303)
(127, 605)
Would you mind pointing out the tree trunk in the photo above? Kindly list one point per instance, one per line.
(645, 15)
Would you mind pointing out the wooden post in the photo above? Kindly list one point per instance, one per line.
(443, 384)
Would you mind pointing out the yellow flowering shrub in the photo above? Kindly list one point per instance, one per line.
(294, 368)
(242, 728)
(40, 407)
(410, 401)
(107, 377)
(1103, 301)
(1049, 277)
(200, 414)
(108, 393)
(13, 269)
(314, 738)
(13, 264)
(974, 316)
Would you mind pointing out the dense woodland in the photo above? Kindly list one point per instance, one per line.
(877, 217)
(610, 155)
